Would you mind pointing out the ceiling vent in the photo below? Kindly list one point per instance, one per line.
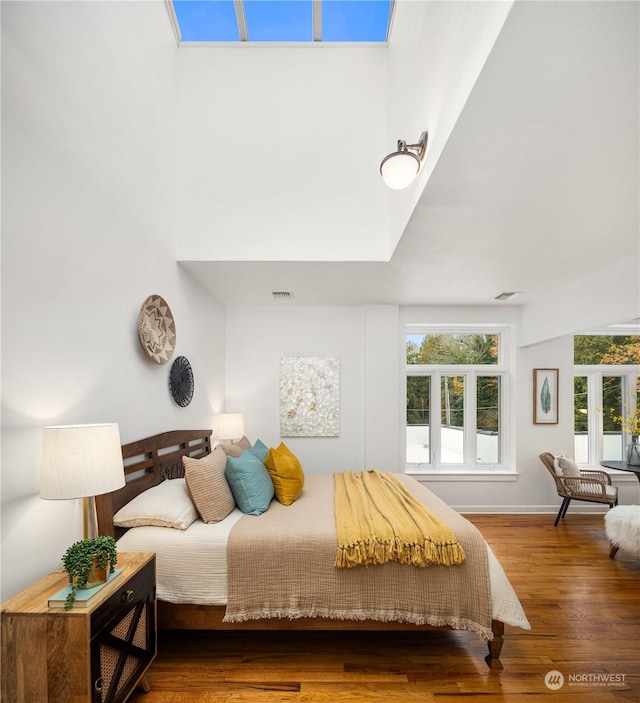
(508, 294)
(282, 294)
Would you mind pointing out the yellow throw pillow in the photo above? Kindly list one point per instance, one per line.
(286, 473)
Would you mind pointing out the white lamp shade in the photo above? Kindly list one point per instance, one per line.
(80, 461)
(399, 169)
(230, 426)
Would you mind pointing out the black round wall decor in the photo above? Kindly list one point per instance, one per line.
(181, 381)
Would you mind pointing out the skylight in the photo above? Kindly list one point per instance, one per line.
(283, 21)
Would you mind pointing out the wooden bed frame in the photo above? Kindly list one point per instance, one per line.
(154, 459)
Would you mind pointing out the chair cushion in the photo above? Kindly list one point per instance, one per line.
(611, 492)
(590, 491)
(565, 466)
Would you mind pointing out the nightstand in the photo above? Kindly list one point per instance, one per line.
(92, 654)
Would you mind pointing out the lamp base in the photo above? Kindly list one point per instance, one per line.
(89, 522)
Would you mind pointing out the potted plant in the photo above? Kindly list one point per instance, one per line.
(87, 563)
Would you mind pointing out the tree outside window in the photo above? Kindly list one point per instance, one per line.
(454, 398)
(606, 395)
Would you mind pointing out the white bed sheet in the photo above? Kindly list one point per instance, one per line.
(191, 567)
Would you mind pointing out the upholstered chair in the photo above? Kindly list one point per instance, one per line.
(573, 483)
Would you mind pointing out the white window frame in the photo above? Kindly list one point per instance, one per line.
(595, 424)
(470, 373)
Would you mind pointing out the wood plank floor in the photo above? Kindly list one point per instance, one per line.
(584, 610)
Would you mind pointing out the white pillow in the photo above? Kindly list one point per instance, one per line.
(166, 505)
(565, 466)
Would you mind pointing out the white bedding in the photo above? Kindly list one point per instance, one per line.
(191, 567)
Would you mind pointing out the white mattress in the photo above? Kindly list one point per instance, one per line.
(191, 567)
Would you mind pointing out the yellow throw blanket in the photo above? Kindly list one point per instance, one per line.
(379, 520)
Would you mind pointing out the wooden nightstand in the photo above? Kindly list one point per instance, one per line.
(93, 654)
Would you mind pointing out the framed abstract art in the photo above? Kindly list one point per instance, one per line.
(309, 396)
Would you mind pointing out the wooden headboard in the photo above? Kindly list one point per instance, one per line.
(147, 463)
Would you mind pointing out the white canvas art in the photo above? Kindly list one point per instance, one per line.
(309, 396)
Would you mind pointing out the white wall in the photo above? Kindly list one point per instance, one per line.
(256, 338)
(261, 121)
(609, 296)
(88, 132)
(368, 342)
(436, 53)
(383, 362)
(255, 108)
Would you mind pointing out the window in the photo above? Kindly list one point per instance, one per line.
(282, 21)
(455, 398)
(606, 395)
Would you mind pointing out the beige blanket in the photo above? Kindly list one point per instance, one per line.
(378, 520)
(281, 565)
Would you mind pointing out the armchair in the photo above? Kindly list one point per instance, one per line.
(591, 486)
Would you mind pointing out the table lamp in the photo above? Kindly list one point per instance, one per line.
(81, 461)
(230, 426)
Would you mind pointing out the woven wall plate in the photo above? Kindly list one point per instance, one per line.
(181, 381)
(157, 329)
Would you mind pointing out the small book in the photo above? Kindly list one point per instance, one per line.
(84, 596)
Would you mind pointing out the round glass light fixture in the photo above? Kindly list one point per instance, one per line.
(399, 169)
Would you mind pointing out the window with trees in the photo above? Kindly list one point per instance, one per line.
(606, 396)
(455, 398)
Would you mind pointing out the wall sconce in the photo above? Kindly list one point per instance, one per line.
(81, 461)
(399, 168)
(230, 426)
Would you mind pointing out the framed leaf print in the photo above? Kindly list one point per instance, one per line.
(545, 396)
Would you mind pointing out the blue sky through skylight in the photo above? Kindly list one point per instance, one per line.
(206, 21)
(271, 20)
(355, 20)
(283, 20)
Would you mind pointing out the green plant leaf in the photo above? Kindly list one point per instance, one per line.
(78, 560)
(545, 396)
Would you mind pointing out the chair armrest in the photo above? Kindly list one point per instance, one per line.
(600, 475)
(585, 486)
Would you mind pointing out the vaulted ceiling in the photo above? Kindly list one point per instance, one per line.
(533, 183)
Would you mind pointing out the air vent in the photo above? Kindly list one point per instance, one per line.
(282, 294)
(508, 294)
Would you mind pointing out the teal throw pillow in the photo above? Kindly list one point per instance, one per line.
(250, 483)
(260, 450)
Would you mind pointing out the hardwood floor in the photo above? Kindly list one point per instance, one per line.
(584, 610)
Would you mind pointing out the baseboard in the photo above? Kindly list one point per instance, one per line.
(574, 508)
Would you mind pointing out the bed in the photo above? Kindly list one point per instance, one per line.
(196, 585)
